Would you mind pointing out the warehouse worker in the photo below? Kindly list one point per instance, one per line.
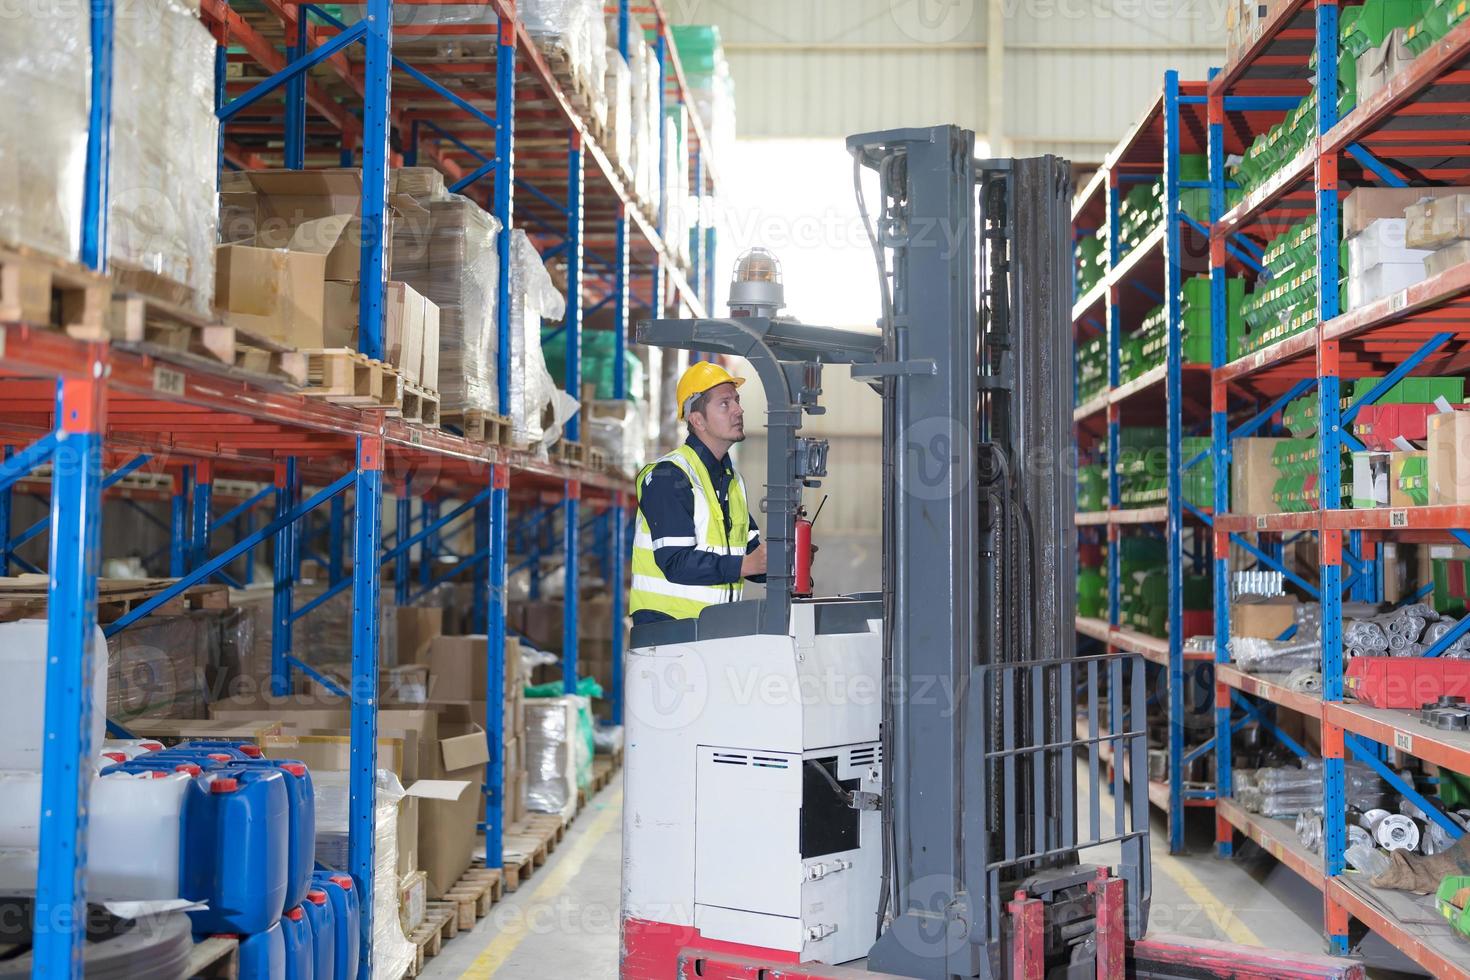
(696, 542)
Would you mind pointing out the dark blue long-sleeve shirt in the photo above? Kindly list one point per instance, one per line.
(667, 504)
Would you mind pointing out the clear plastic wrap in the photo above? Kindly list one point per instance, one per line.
(1286, 791)
(551, 755)
(533, 298)
(393, 954)
(162, 209)
(1255, 654)
(618, 86)
(575, 30)
(617, 428)
(453, 263)
(44, 59)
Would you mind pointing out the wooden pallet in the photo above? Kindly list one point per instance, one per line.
(474, 893)
(603, 771)
(136, 318)
(428, 939)
(24, 596)
(346, 377)
(570, 453)
(596, 460)
(570, 82)
(528, 844)
(416, 403)
(44, 291)
(479, 426)
(217, 956)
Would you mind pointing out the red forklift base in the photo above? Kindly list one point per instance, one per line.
(1154, 956)
(656, 951)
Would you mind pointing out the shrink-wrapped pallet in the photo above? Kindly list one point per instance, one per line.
(573, 29)
(558, 749)
(162, 212)
(533, 298)
(619, 90)
(44, 59)
(453, 263)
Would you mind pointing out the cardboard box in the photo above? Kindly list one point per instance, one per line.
(1447, 258)
(1370, 479)
(416, 629)
(1437, 222)
(1367, 204)
(1399, 494)
(169, 729)
(447, 829)
(403, 323)
(1449, 458)
(1253, 476)
(405, 684)
(429, 370)
(457, 668)
(1267, 619)
(275, 293)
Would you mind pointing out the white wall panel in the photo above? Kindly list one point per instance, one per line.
(1076, 72)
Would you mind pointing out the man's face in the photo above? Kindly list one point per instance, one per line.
(723, 417)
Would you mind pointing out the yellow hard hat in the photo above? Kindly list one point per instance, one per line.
(701, 377)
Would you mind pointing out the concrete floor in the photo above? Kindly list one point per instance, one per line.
(564, 921)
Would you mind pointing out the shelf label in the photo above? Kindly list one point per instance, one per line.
(415, 437)
(1261, 522)
(1404, 742)
(1398, 517)
(168, 381)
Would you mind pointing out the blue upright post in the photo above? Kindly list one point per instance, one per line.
(178, 545)
(366, 556)
(620, 303)
(249, 518)
(480, 601)
(1329, 476)
(5, 501)
(99, 138)
(696, 258)
(76, 502)
(203, 505)
(336, 543)
(377, 76)
(295, 141)
(573, 320)
(505, 75)
(710, 240)
(221, 73)
(404, 563)
(615, 582)
(1174, 418)
(496, 669)
(283, 579)
(429, 547)
(1220, 460)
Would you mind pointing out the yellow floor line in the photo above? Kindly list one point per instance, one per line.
(493, 956)
(1223, 916)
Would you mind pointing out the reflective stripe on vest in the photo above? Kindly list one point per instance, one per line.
(651, 590)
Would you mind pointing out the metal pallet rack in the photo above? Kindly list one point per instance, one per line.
(81, 407)
(1151, 273)
(1412, 132)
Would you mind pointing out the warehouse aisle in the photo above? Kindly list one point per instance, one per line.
(564, 921)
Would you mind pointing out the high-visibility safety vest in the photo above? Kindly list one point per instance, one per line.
(651, 590)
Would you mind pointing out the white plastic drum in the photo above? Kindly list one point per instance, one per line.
(133, 829)
(23, 708)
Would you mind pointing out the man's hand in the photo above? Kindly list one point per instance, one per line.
(755, 562)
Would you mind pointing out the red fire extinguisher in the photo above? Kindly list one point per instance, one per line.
(802, 584)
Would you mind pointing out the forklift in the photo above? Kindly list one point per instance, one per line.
(890, 778)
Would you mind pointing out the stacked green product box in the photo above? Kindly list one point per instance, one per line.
(1142, 466)
(1295, 490)
(1195, 201)
(1139, 213)
(1092, 592)
(1092, 260)
(1438, 18)
(1285, 302)
(1092, 368)
(1195, 331)
(1451, 576)
(1092, 487)
(1413, 479)
(1299, 417)
(1197, 484)
(1145, 347)
(1409, 391)
(1143, 591)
